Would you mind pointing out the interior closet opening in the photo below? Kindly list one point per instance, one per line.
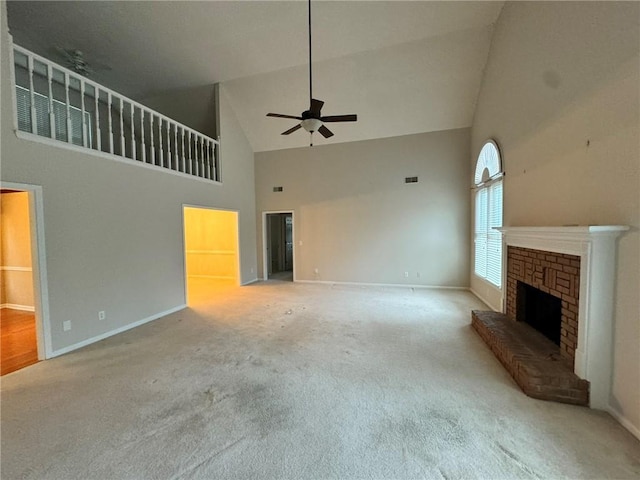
(211, 252)
(278, 246)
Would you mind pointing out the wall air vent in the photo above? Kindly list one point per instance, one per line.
(277, 189)
(411, 180)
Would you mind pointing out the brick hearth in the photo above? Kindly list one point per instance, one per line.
(533, 361)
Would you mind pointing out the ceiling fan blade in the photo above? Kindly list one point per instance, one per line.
(340, 118)
(316, 106)
(292, 129)
(279, 115)
(326, 133)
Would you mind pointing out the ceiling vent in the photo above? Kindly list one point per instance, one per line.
(411, 180)
(277, 189)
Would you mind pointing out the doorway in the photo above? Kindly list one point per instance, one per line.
(278, 251)
(22, 342)
(211, 252)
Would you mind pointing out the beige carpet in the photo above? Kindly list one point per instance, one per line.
(282, 380)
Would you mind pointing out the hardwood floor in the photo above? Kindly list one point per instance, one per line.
(18, 348)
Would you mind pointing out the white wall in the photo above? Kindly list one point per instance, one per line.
(194, 107)
(357, 219)
(561, 97)
(113, 231)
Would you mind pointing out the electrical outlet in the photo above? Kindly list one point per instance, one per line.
(66, 325)
(102, 315)
(406, 274)
(315, 270)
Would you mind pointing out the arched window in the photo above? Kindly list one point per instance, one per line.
(488, 214)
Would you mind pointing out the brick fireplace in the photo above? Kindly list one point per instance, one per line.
(556, 274)
(578, 266)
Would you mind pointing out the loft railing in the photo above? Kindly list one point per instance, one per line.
(54, 102)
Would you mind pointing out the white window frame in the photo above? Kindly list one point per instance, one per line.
(488, 206)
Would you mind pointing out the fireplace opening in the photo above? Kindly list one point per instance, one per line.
(540, 310)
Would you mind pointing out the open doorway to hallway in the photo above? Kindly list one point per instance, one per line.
(211, 252)
(19, 344)
(278, 246)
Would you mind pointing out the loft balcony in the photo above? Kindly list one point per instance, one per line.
(60, 105)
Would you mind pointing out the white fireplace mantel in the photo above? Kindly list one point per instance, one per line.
(596, 247)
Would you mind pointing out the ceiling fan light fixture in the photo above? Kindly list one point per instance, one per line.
(311, 124)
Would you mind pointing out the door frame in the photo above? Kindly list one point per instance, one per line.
(184, 243)
(265, 257)
(38, 265)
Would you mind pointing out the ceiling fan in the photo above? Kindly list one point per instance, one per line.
(75, 60)
(312, 120)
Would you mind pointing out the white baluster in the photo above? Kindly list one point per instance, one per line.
(190, 164)
(98, 133)
(133, 133)
(183, 153)
(160, 145)
(216, 164)
(168, 144)
(110, 122)
(175, 144)
(212, 162)
(196, 160)
(202, 159)
(84, 126)
(151, 147)
(196, 169)
(143, 153)
(34, 122)
(205, 156)
(66, 90)
(122, 149)
(52, 117)
(205, 146)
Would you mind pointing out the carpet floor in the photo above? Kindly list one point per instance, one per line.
(279, 380)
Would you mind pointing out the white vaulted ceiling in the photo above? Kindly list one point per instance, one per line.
(403, 67)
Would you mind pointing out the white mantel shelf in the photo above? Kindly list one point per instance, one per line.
(568, 233)
(596, 247)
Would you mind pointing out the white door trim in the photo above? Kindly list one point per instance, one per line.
(265, 259)
(39, 266)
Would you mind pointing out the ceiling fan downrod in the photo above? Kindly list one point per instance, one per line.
(312, 120)
(310, 68)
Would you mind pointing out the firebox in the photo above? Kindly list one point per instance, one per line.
(539, 309)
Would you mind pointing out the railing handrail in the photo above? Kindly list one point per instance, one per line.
(102, 88)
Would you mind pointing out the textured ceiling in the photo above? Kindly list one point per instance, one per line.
(403, 67)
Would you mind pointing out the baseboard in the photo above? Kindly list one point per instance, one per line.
(486, 302)
(635, 431)
(250, 281)
(14, 306)
(394, 285)
(111, 333)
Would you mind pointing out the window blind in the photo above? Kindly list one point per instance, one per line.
(41, 103)
(488, 242)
